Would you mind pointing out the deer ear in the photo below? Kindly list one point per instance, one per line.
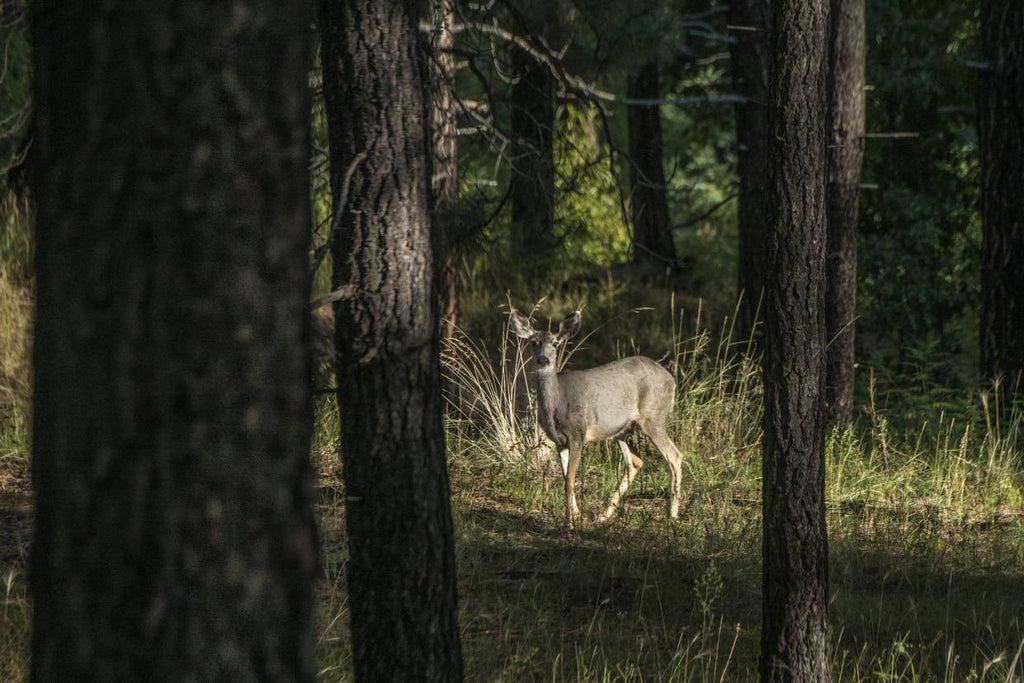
(569, 327)
(520, 325)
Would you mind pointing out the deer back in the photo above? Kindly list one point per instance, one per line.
(603, 402)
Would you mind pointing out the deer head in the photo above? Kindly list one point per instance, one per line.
(545, 344)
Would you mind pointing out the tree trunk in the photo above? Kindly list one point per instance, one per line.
(532, 184)
(1001, 143)
(445, 183)
(750, 64)
(652, 228)
(401, 572)
(845, 160)
(795, 549)
(174, 532)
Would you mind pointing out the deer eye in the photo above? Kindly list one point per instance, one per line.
(533, 342)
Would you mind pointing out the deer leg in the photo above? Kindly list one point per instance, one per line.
(563, 455)
(633, 465)
(572, 464)
(675, 465)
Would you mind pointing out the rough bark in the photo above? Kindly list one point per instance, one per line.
(174, 536)
(532, 183)
(795, 546)
(445, 180)
(845, 160)
(1001, 143)
(652, 228)
(750, 64)
(401, 572)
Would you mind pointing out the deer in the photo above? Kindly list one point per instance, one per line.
(578, 407)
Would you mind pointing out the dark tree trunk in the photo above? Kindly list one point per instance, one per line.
(845, 160)
(445, 183)
(795, 550)
(401, 571)
(652, 228)
(533, 169)
(1001, 143)
(175, 537)
(750, 64)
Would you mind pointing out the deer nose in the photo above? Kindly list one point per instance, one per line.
(543, 361)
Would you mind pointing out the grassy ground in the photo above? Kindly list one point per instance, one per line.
(927, 545)
(921, 590)
(925, 522)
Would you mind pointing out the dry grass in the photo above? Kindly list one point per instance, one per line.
(15, 373)
(926, 531)
(927, 539)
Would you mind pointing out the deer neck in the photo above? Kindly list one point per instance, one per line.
(549, 397)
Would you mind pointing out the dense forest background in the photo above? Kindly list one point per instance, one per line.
(919, 230)
(591, 155)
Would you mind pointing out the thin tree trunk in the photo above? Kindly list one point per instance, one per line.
(845, 160)
(1001, 143)
(750, 63)
(533, 170)
(401, 571)
(174, 537)
(445, 182)
(795, 550)
(652, 228)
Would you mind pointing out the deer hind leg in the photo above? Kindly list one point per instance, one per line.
(570, 464)
(674, 459)
(633, 465)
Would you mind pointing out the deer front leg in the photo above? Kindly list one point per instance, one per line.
(570, 464)
(633, 465)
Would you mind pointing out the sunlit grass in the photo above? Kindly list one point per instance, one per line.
(927, 546)
(15, 375)
(925, 523)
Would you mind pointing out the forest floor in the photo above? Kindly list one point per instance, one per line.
(918, 591)
(921, 588)
(15, 534)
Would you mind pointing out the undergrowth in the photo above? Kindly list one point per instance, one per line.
(15, 331)
(927, 547)
(925, 524)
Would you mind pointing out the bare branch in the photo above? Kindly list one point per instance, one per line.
(891, 136)
(322, 250)
(343, 292)
(569, 81)
(698, 99)
(706, 214)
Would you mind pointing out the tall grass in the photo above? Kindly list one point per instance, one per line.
(927, 541)
(15, 330)
(494, 395)
(925, 523)
(15, 611)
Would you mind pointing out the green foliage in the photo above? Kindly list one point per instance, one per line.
(15, 88)
(15, 114)
(620, 36)
(920, 230)
(700, 142)
(588, 203)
